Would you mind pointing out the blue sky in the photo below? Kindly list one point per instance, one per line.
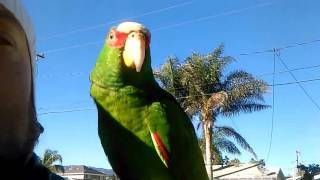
(179, 28)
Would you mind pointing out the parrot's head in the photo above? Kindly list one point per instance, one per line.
(125, 57)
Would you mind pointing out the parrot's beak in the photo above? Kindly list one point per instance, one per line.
(135, 50)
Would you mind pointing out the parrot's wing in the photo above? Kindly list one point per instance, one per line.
(159, 131)
(172, 132)
(174, 137)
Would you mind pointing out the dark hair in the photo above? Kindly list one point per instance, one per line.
(35, 128)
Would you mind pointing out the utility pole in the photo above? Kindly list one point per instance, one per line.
(295, 168)
(297, 157)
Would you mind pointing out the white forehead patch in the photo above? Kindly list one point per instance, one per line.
(127, 27)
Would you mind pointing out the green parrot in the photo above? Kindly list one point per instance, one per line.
(144, 132)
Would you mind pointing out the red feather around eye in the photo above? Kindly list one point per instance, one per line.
(117, 39)
(163, 150)
(121, 38)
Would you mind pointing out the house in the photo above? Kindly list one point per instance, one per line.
(316, 177)
(246, 171)
(294, 178)
(81, 172)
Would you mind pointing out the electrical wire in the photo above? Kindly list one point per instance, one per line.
(291, 70)
(156, 29)
(209, 94)
(87, 73)
(270, 85)
(241, 54)
(299, 84)
(205, 18)
(66, 111)
(73, 104)
(72, 47)
(295, 82)
(281, 48)
(115, 21)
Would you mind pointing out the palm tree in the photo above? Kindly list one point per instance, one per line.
(49, 158)
(170, 77)
(203, 90)
(221, 143)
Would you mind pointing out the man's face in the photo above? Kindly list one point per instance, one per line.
(15, 86)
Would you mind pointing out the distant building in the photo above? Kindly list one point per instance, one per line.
(316, 177)
(81, 172)
(248, 171)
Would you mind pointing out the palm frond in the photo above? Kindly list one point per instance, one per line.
(237, 108)
(227, 146)
(230, 132)
(242, 85)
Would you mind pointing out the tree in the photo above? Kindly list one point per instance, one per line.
(221, 143)
(203, 90)
(49, 158)
(310, 171)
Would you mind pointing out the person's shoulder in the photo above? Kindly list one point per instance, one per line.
(35, 170)
(53, 176)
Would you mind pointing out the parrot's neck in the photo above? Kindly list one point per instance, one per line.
(143, 78)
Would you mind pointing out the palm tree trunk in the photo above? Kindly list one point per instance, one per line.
(216, 100)
(208, 142)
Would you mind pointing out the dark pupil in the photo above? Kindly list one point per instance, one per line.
(111, 36)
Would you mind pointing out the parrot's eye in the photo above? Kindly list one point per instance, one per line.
(111, 36)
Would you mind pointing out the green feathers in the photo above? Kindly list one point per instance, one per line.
(143, 130)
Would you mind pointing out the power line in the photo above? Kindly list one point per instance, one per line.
(72, 47)
(118, 20)
(66, 111)
(241, 54)
(72, 104)
(295, 78)
(270, 85)
(259, 75)
(281, 48)
(209, 94)
(156, 29)
(272, 116)
(291, 70)
(70, 74)
(299, 44)
(205, 18)
(295, 82)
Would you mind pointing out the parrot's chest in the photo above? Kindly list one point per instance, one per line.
(125, 134)
(128, 113)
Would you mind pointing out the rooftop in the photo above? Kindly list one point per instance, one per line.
(81, 169)
(246, 171)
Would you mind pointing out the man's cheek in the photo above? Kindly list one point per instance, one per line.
(15, 81)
